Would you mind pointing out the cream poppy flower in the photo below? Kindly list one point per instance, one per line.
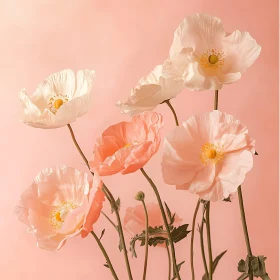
(58, 100)
(151, 91)
(206, 57)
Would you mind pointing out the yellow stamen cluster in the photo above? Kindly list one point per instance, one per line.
(211, 153)
(58, 215)
(56, 102)
(212, 59)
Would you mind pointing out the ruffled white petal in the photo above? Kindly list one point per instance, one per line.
(36, 109)
(199, 32)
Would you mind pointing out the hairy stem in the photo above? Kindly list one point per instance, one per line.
(210, 264)
(146, 241)
(173, 111)
(176, 270)
(192, 238)
(105, 255)
(169, 260)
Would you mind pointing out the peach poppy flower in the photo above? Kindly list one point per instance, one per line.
(208, 155)
(58, 100)
(206, 57)
(127, 146)
(150, 92)
(135, 220)
(56, 205)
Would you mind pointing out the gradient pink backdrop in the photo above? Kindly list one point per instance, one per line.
(123, 41)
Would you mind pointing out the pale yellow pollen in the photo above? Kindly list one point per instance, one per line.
(210, 153)
(57, 103)
(127, 145)
(213, 59)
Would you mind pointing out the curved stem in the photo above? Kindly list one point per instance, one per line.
(216, 100)
(77, 145)
(192, 237)
(169, 260)
(245, 228)
(177, 274)
(110, 221)
(105, 255)
(173, 111)
(120, 229)
(111, 200)
(209, 241)
(202, 242)
(146, 241)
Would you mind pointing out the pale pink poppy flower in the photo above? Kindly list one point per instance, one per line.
(56, 205)
(135, 219)
(58, 100)
(206, 57)
(208, 155)
(127, 146)
(151, 91)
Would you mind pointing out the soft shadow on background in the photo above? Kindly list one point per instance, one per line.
(123, 41)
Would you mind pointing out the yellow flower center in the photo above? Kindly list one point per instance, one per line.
(211, 153)
(126, 145)
(212, 59)
(59, 214)
(57, 103)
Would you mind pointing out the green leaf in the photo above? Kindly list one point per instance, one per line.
(179, 267)
(102, 233)
(227, 199)
(243, 276)
(214, 265)
(116, 206)
(168, 212)
(179, 233)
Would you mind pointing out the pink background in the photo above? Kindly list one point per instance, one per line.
(123, 41)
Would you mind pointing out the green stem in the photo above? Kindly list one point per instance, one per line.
(77, 145)
(216, 100)
(111, 200)
(146, 240)
(209, 241)
(169, 260)
(120, 229)
(202, 242)
(173, 111)
(177, 274)
(105, 255)
(110, 221)
(192, 237)
(245, 228)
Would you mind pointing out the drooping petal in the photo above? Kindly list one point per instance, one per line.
(241, 51)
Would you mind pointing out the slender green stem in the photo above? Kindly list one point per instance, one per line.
(105, 255)
(146, 240)
(169, 260)
(120, 229)
(210, 264)
(173, 111)
(177, 274)
(245, 228)
(110, 221)
(216, 100)
(111, 200)
(192, 237)
(202, 242)
(77, 145)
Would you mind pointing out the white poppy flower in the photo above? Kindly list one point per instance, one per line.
(206, 57)
(150, 92)
(58, 100)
